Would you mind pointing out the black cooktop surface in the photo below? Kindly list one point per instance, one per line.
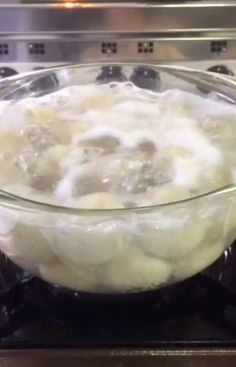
(197, 312)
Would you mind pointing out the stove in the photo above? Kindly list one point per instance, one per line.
(190, 324)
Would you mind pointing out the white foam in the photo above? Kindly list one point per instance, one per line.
(130, 115)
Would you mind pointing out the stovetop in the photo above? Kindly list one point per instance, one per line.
(199, 312)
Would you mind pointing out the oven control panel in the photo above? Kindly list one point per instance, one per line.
(18, 56)
(140, 48)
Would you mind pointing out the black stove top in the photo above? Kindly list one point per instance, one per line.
(199, 312)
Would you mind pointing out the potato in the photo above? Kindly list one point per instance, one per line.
(198, 259)
(135, 272)
(24, 264)
(58, 273)
(176, 101)
(40, 137)
(88, 243)
(108, 144)
(47, 171)
(80, 181)
(220, 129)
(96, 101)
(166, 193)
(229, 221)
(28, 244)
(55, 154)
(146, 147)
(62, 132)
(10, 174)
(214, 177)
(77, 129)
(98, 200)
(27, 192)
(45, 182)
(8, 220)
(44, 119)
(42, 114)
(11, 144)
(173, 152)
(134, 173)
(169, 238)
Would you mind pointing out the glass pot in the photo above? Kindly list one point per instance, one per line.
(117, 250)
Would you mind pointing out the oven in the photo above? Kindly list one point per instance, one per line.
(38, 34)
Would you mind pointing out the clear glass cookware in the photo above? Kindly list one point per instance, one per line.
(117, 250)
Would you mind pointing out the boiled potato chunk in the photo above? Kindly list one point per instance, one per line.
(42, 114)
(198, 259)
(170, 239)
(55, 154)
(173, 152)
(26, 192)
(134, 173)
(11, 144)
(89, 244)
(62, 132)
(59, 273)
(99, 200)
(147, 147)
(78, 129)
(10, 174)
(135, 272)
(167, 194)
(229, 221)
(8, 220)
(220, 129)
(215, 177)
(108, 144)
(47, 171)
(98, 101)
(28, 243)
(80, 181)
(23, 263)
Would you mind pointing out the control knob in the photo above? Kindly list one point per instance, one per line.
(221, 69)
(5, 72)
(146, 78)
(111, 74)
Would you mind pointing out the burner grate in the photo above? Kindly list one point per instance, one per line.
(198, 312)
